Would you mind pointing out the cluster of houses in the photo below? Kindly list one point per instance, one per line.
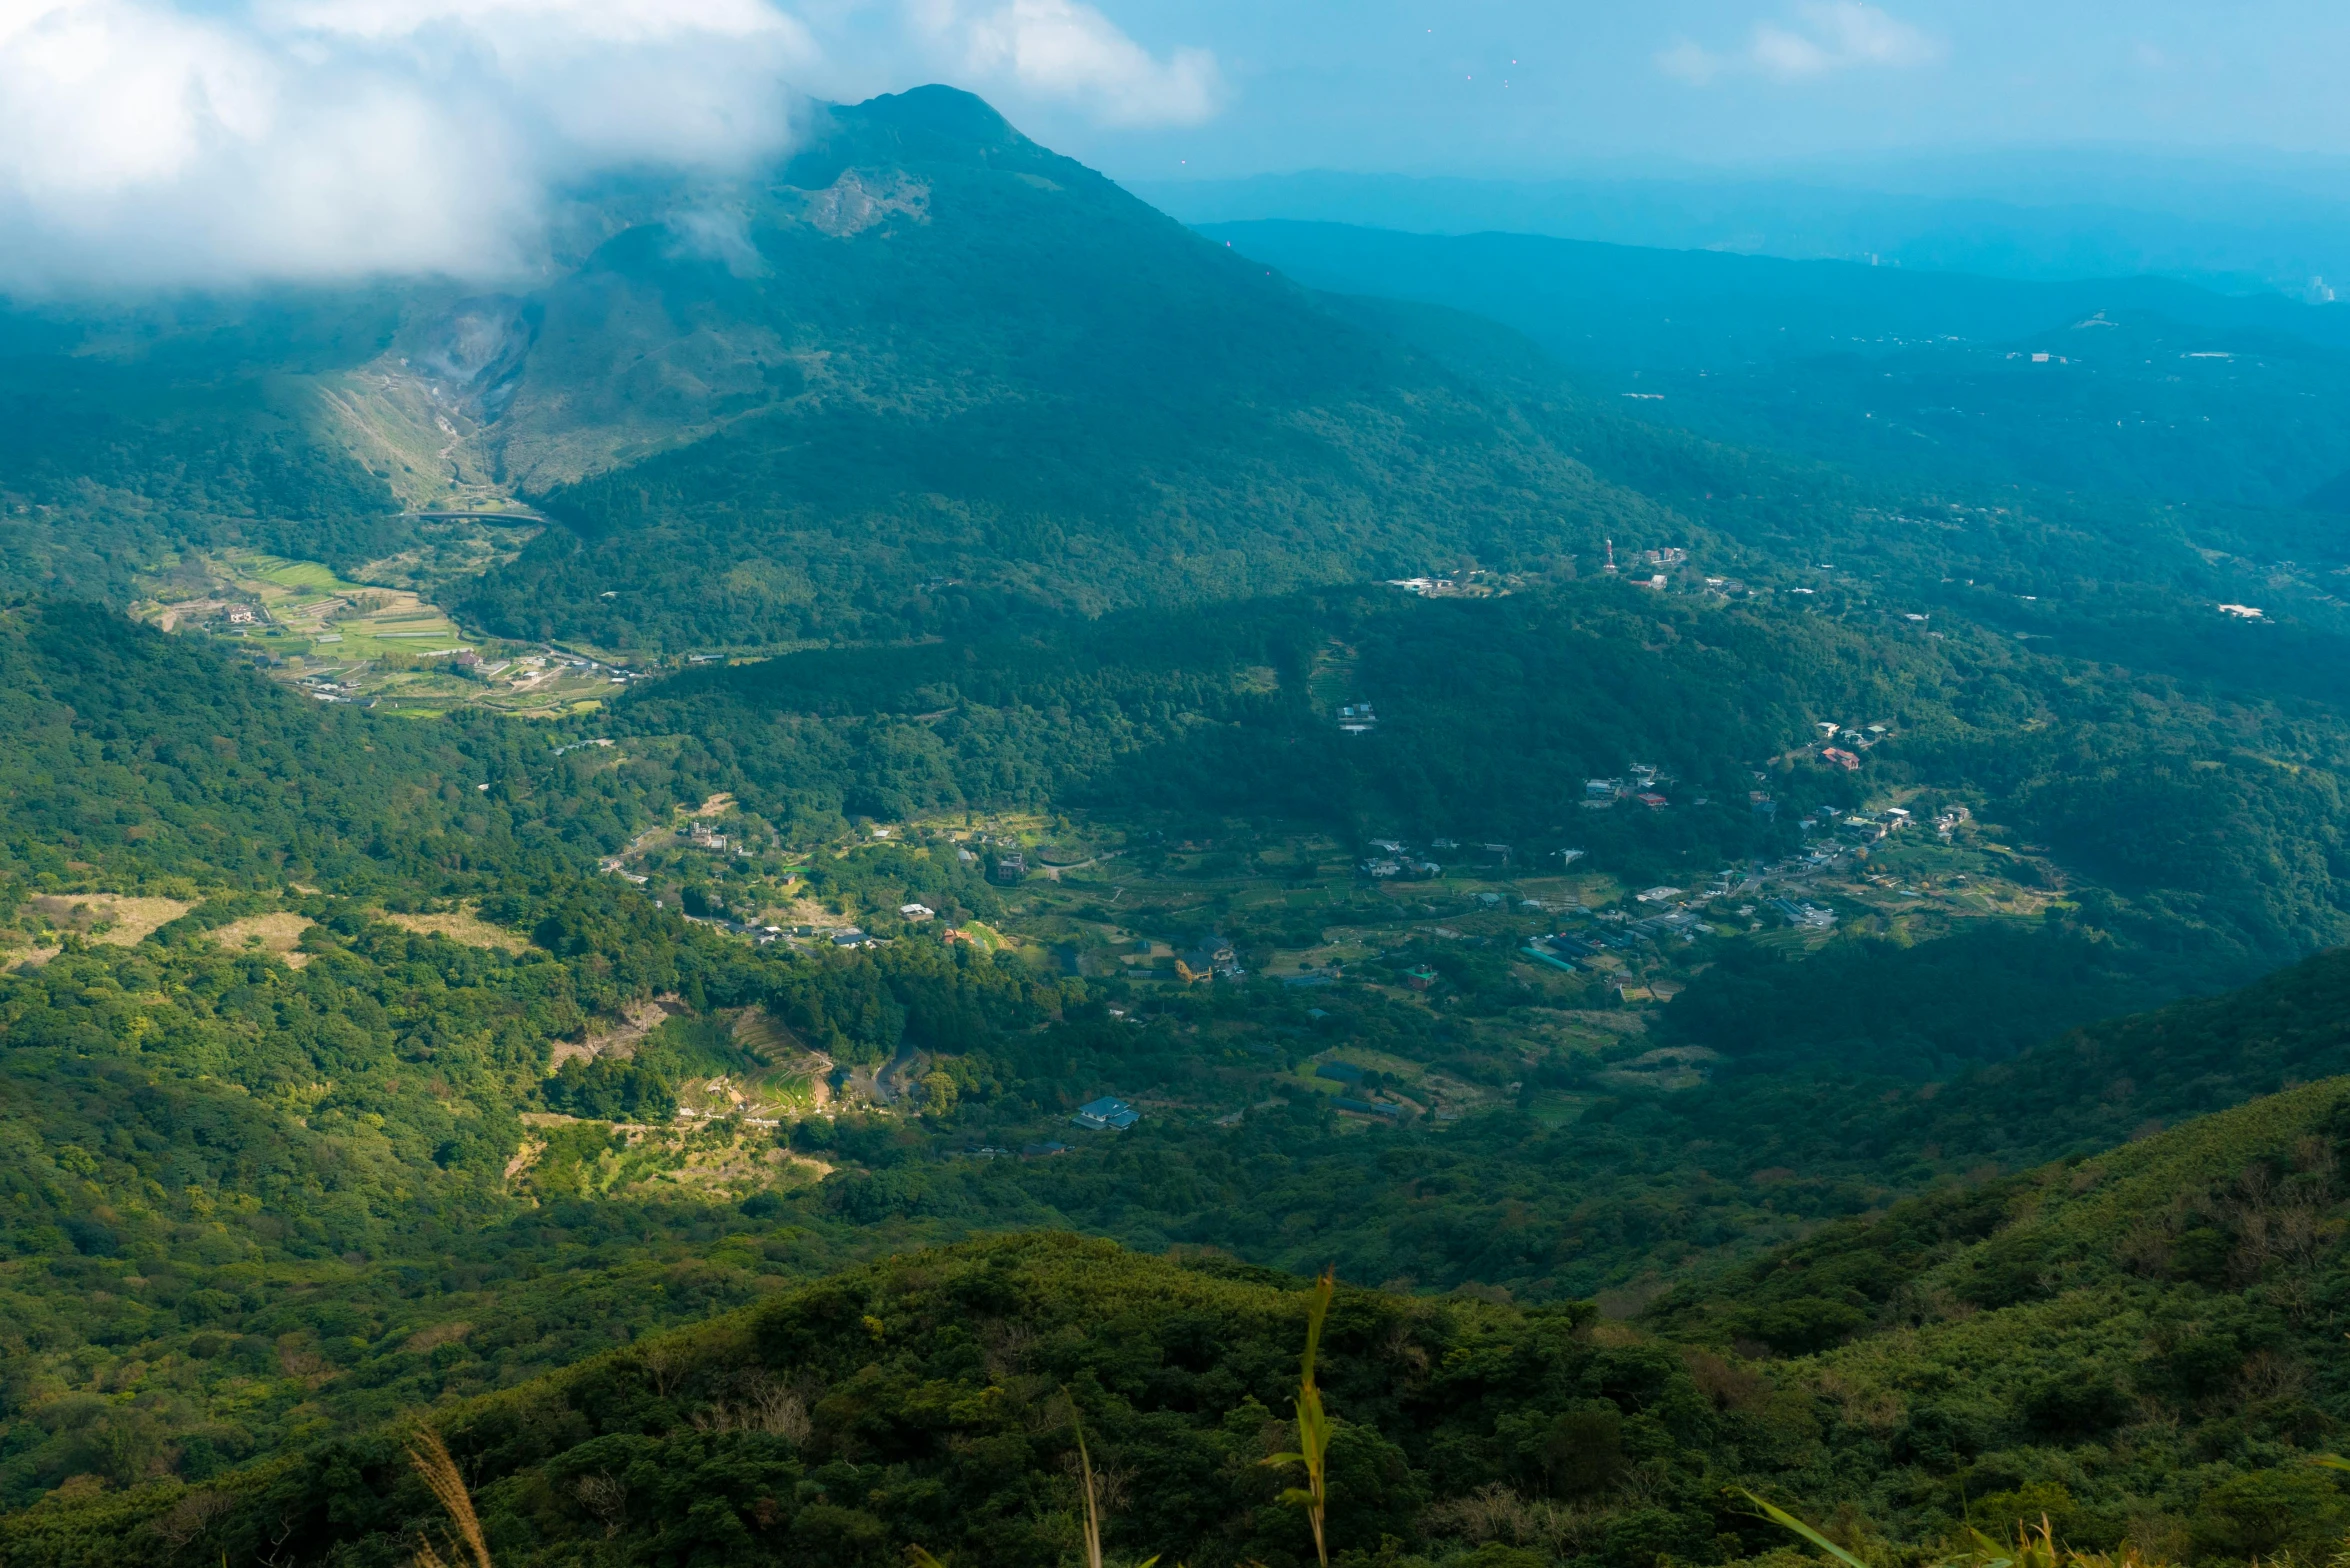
(1389, 858)
(1472, 585)
(1570, 950)
(1356, 718)
(1642, 783)
(1107, 1114)
(1865, 827)
(1841, 744)
(1205, 962)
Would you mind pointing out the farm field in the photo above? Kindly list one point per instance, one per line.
(375, 643)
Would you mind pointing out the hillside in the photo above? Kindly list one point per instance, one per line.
(924, 371)
(933, 367)
(1495, 710)
(931, 1400)
(296, 1162)
(928, 375)
(140, 762)
(2139, 1343)
(2132, 1345)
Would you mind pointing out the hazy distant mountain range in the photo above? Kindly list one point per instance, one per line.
(2236, 225)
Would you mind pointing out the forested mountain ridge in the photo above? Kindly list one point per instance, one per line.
(2126, 1344)
(991, 376)
(927, 375)
(925, 369)
(2137, 1344)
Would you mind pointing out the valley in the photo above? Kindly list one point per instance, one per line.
(871, 814)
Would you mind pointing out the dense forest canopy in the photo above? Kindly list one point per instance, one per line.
(1770, 947)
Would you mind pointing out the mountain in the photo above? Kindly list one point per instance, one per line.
(670, 1095)
(928, 365)
(2237, 225)
(927, 374)
(922, 370)
(1630, 307)
(2119, 386)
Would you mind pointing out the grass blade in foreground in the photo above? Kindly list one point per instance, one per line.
(1313, 1426)
(1787, 1521)
(431, 1458)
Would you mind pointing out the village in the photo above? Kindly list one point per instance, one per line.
(1524, 950)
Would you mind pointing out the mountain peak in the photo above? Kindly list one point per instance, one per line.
(935, 114)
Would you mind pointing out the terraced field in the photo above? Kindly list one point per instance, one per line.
(374, 642)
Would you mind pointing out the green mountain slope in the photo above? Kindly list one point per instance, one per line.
(2109, 576)
(2141, 1343)
(928, 1401)
(2133, 1345)
(110, 469)
(932, 364)
(149, 762)
(143, 762)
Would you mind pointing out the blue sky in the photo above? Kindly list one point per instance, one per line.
(174, 141)
(1524, 87)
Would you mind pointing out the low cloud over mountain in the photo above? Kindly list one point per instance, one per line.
(162, 142)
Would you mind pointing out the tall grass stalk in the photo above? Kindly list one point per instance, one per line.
(1787, 1521)
(1093, 1506)
(2030, 1549)
(431, 1458)
(2040, 1549)
(1313, 1425)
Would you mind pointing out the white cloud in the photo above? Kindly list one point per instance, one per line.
(197, 141)
(1059, 49)
(1691, 62)
(1825, 37)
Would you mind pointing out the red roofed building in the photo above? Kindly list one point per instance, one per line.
(1842, 758)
